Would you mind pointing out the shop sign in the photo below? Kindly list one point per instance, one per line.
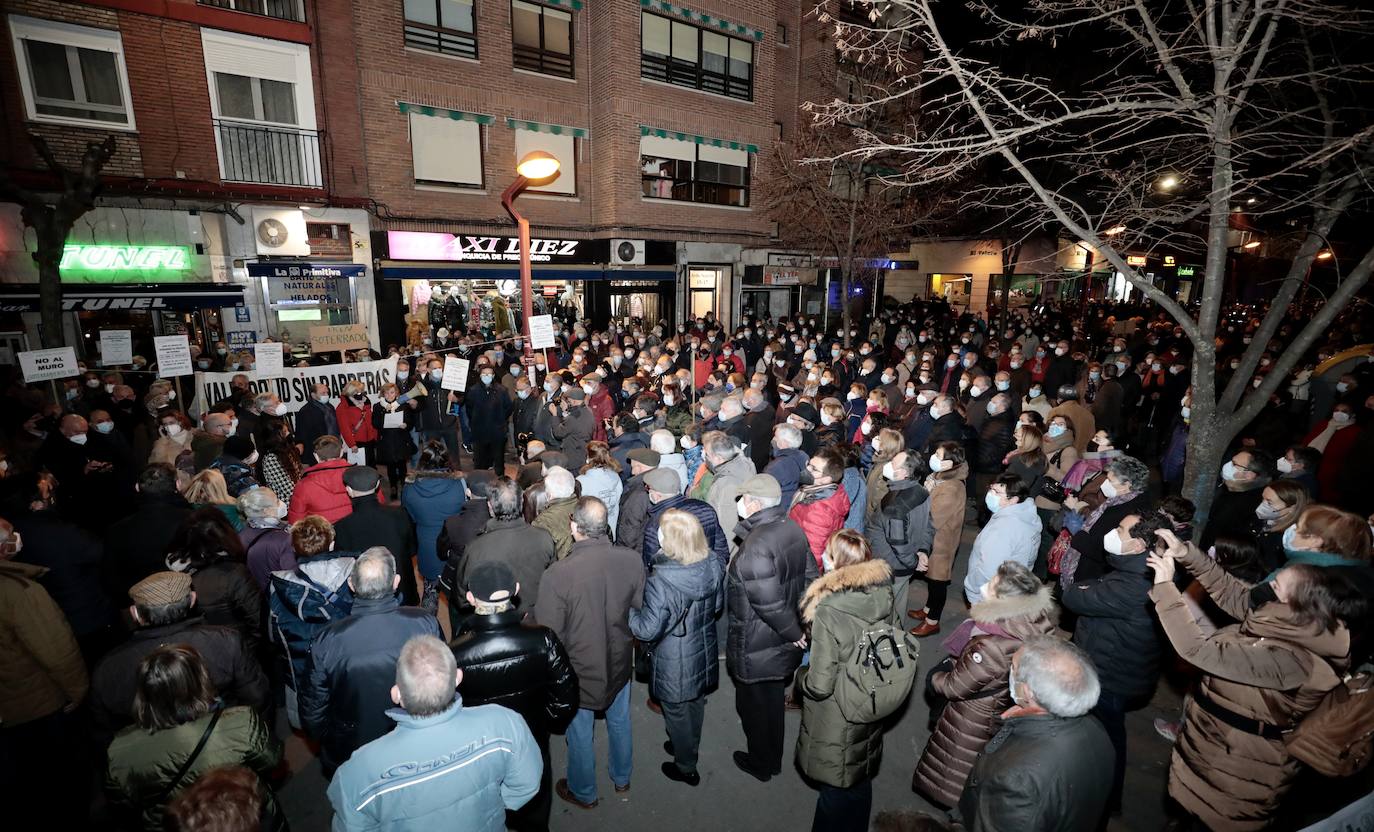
(241, 315)
(1135, 260)
(462, 248)
(126, 296)
(788, 275)
(702, 279)
(343, 337)
(1186, 271)
(242, 338)
(296, 385)
(1169, 260)
(125, 258)
(306, 270)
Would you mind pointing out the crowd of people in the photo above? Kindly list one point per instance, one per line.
(178, 579)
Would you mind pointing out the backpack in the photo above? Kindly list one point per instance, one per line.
(877, 675)
(1337, 737)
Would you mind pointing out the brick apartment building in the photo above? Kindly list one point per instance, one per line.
(320, 157)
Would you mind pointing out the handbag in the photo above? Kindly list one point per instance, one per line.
(644, 651)
(1058, 549)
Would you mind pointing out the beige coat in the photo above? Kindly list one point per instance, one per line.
(1082, 419)
(948, 502)
(41, 669)
(1268, 668)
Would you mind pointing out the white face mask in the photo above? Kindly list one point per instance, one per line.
(279, 409)
(281, 511)
(173, 429)
(889, 473)
(1285, 467)
(866, 428)
(1340, 417)
(1108, 489)
(938, 464)
(827, 419)
(79, 439)
(1112, 542)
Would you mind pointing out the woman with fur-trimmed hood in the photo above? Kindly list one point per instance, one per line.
(1015, 607)
(853, 596)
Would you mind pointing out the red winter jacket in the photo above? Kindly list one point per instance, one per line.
(819, 514)
(355, 423)
(321, 491)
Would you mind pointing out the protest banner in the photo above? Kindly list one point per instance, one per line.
(296, 384)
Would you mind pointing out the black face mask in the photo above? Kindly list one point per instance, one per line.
(805, 478)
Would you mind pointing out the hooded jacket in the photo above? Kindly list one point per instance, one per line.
(764, 583)
(839, 607)
(678, 621)
(977, 691)
(320, 490)
(787, 467)
(900, 527)
(820, 510)
(1116, 625)
(303, 601)
(1012, 533)
(430, 500)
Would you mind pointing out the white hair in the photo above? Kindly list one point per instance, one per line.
(559, 483)
(788, 435)
(1060, 676)
(731, 407)
(662, 441)
(425, 675)
(258, 503)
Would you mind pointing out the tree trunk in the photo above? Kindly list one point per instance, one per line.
(52, 240)
(844, 305)
(1208, 440)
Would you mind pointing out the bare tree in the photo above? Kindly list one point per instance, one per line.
(1197, 108)
(52, 216)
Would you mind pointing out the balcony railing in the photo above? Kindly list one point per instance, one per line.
(280, 9)
(268, 155)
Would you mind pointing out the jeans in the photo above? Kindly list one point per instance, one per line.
(760, 708)
(843, 810)
(683, 721)
(582, 750)
(1111, 710)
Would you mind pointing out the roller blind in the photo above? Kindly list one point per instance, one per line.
(563, 148)
(446, 150)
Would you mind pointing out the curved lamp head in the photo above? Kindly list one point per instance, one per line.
(538, 166)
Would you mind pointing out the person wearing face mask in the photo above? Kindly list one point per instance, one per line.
(354, 416)
(393, 421)
(1010, 608)
(995, 442)
(880, 447)
(316, 418)
(435, 414)
(237, 463)
(176, 433)
(527, 402)
(488, 406)
(1035, 401)
(1236, 725)
(1068, 405)
(899, 525)
(1335, 439)
(266, 536)
(1243, 479)
(206, 547)
(947, 424)
(574, 426)
(1116, 490)
(1108, 402)
(1116, 628)
(1300, 464)
(948, 507)
(1283, 502)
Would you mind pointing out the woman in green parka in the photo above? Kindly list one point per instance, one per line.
(174, 707)
(854, 595)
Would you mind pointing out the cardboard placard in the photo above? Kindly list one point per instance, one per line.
(343, 337)
(173, 356)
(268, 360)
(116, 347)
(541, 332)
(46, 365)
(455, 374)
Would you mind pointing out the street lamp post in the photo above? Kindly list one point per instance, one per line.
(536, 168)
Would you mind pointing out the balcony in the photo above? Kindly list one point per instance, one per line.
(280, 9)
(268, 155)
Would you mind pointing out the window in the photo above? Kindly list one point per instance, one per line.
(543, 38)
(282, 9)
(446, 151)
(263, 103)
(562, 148)
(682, 54)
(782, 34)
(444, 26)
(71, 74)
(690, 172)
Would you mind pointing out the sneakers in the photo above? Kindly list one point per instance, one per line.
(1168, 730)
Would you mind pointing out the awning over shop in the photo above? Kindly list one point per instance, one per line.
(416, 270)
(84, 297)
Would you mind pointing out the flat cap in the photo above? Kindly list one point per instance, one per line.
(577, 394)
(761, 485)
(664, 481)
(645, 456)
(160, 589)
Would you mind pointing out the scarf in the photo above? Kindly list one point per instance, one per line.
(1068, 567)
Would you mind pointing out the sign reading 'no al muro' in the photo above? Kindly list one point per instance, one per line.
(343, 337)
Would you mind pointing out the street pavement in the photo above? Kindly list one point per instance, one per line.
(728, 799)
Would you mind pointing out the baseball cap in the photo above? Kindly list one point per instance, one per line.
(761, 485)
(160, 589)
(492, 581)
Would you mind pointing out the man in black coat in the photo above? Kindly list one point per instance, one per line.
(488, 406)
(352, 663)
(72, 556)
(1117, 629)
(373, 524)
(163, 610)
(518, 664)
(627, 437)
(994, 443)
(505, 537)
(634, 506)
(1243, 479)
(317, 418)
(1044, 769)
(946, 426)
(759, 419)
(136, 546)
(434, 418)
(763, 648)
(1063, 369)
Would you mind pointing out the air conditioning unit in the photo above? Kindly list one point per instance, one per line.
(280, 232)
(627, 252)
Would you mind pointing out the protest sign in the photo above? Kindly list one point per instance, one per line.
(116, 347)
(173, 356)
(344, 337)
(455, 374)
(541, 332)
(268, 360)
(45, 365)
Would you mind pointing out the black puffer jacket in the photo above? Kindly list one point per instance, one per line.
(901, 526)
(1117, 625)
(527, 550)
(764, 584)
(634, 512)
(994, 442)
(227, 594)
(349, 675)
(522, 666)
(678, 619)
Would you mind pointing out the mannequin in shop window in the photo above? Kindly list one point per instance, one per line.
(419, 298)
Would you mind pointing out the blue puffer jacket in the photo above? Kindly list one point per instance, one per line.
(681, 603)
(304, 601)
(786, 467)
(857, 488)
(469, 763)
(702, 511)
(430, 500)
(238, 477)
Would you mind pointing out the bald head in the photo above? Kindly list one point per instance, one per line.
(589, 519)
(72, 424)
